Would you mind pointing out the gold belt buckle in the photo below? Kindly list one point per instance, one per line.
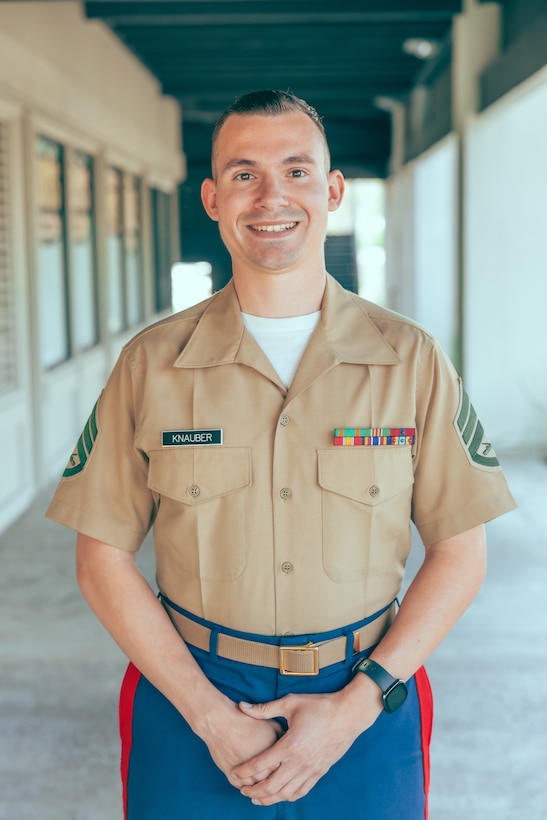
(308, 648)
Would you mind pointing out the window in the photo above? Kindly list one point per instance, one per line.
(161, 235)
(83, 277)
(8, 378)
(132, 248)
(67, 276)
(114, 250)
(123, 247)
(51, 235)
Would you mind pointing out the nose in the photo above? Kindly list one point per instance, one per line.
(271, 193)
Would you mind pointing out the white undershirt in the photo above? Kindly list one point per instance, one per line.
(282, 340)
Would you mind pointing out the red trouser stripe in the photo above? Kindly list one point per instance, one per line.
(127, 699)
(425, 698)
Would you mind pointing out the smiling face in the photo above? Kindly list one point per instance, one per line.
(272, 193)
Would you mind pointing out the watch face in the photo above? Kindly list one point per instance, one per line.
(395, 696)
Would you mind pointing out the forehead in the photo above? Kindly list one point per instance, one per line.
(272, 138)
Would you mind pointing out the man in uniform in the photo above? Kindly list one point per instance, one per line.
(279, 437)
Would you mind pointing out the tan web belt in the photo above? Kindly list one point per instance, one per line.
(290, 660)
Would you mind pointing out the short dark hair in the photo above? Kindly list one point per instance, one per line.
(270, 103)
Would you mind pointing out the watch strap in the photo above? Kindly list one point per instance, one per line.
(394, 691)
(377, 673)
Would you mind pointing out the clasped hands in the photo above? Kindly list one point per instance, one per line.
(321, 728)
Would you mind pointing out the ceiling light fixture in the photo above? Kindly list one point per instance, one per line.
(421, 48)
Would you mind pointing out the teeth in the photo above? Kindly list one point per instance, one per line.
(274, 228)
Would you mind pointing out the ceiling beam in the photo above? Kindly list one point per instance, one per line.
(389, 29)
(248, 12)
(354, 89)
(367, 6)
(268, 19)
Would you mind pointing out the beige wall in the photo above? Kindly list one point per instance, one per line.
(69, 79)
(76, 72)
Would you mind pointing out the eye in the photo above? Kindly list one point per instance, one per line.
(244, 176)
(298, 172)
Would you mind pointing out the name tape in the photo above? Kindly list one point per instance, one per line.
(186, 438)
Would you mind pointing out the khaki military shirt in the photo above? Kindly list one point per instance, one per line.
(267, 516)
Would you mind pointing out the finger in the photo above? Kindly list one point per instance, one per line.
(277, 780)
(258, 767)
(271, 792)
(252, 780)
(263, 711)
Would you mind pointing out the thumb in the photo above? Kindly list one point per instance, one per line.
(263, 711)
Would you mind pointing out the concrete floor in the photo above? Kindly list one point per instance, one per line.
(60, 673)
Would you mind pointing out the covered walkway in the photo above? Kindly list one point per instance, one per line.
(97, 186)
(61, 672)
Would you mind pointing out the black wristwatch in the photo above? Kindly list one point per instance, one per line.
(394, 691)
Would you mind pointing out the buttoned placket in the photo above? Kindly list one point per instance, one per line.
(317, 360)
(233, 344)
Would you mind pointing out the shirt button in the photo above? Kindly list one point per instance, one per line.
(285, 493)
(374, 491)
(286, 566)
(284, 420)
(194, 490)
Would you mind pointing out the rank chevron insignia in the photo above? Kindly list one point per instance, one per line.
(471, 431)
(84, 445)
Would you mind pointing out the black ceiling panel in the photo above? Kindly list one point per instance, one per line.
(339, 56)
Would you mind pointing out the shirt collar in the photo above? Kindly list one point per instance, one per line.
(350, 330)
(218, 334)
(346, 333)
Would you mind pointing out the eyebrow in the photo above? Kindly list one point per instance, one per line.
(241, 162)
(238, 163)
(299, 159)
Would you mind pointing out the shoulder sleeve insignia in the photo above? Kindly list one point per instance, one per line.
(471, 432)
(84, 445)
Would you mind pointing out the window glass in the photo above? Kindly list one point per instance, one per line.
(51, 252)
(161, 238)
(83, 278)
(114, 251)
(132, 247)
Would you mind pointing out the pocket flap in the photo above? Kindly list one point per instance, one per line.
(196, 474)
(369, 475)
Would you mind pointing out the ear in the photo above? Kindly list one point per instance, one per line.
(209, 198)
(336, 190)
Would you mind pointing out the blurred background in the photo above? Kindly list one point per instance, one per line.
(436, 112)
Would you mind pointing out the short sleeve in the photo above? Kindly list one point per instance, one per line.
(458, 481)
(103, 492)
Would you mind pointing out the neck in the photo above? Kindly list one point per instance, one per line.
(279, 296)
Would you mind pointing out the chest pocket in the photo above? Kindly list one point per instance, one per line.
(201, 497)
(366, 504)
